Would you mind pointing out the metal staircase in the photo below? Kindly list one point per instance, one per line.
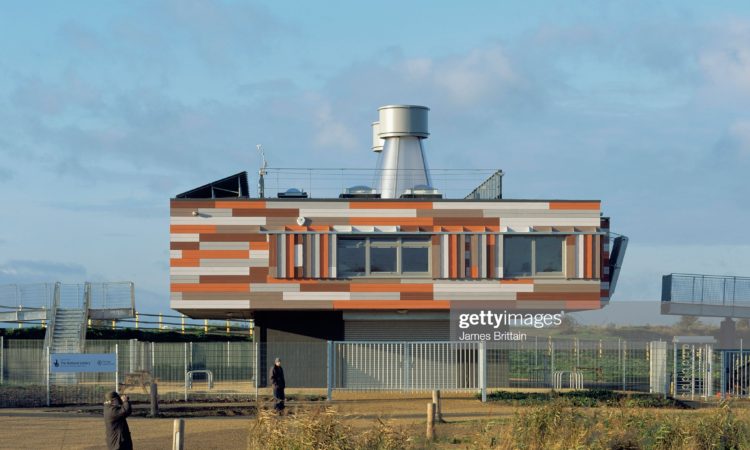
(68, 336)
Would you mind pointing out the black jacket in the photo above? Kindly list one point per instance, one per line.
(277, 377)
(116, 427)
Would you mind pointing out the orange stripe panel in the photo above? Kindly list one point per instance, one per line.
(223, 287)
(290, 255)
(390, 205)
(260, 246)
(184, 262)
(518, 281)
(491, 249)
(324, 257)
(215, 254)
(192, 228)
(241, 204)
(391, 304)
(574, 205)
(588, 267)
(452, 259)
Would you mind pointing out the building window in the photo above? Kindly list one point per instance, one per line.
(383, 256)
(533, 256)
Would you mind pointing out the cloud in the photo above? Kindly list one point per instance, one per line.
(40, 271)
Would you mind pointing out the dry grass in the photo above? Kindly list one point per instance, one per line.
(321, 429)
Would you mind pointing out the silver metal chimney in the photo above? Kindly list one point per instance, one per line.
(403, 166)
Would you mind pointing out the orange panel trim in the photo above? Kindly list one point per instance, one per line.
(258, 204)
(491, 249)
(391, 304)
(260, 246)
(575, 205)
(452, 260)
(517, 281)
(390, 205)
(192, 228)
(218, 287)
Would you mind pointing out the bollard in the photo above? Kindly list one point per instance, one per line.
(178, 435)
(438, 408)
(154, 394)
(430, 421)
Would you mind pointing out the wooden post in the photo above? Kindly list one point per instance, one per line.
(438, 409)
(154, 394)
(430, 421)
(178, 434)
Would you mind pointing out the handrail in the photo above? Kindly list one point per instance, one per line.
(706, 289)
(49, 335)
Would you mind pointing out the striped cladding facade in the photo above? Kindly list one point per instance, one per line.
(237, 256)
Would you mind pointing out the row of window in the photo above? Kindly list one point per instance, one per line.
(523, 256)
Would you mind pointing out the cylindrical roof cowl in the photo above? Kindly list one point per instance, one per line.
(403, 120)
(377, 141)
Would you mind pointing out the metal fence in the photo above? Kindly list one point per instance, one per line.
(706, 289)
(239, 369)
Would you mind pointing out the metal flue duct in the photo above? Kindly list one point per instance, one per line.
(403, 129)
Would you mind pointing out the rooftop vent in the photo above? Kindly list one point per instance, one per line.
(422, 191)
(292, 193)
(401, 130)
(359, 192)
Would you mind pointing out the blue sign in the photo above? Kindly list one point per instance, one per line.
(82, 362)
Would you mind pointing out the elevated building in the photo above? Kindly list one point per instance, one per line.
(383, 263)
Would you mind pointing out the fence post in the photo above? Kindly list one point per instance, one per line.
(438, 409)
(256, 375)
(47, 367)
(329, 371)
(430, 421)
(117, 367)
(178, 434)
(186, 370)
(483, 369)
(154, 397)
(2, 359)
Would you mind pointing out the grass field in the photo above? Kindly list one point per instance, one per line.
(470, 424)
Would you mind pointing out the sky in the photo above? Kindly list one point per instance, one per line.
(109, 109)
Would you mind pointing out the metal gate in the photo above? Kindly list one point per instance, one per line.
(406, 366)
(736, 373)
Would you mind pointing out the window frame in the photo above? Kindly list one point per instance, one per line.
(372, 241)
(534, 274)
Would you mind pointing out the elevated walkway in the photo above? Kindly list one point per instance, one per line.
(66, 308)
(705, 295)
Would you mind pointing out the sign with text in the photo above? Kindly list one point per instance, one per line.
(82, 362)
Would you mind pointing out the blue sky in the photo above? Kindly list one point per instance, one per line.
(108, 109)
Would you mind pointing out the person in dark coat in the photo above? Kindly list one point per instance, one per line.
(278, 383)
(116, 409)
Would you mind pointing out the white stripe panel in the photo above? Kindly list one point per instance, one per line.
(316, 256)
(281, 256)
(482, 256)
(209, 271)
(234, 262)
(482, 287)
(445, 255)
(499, 255)
(298, 257)
(490, 205)
(306, 204)
(184, 237)
(175, 254)
(259, 254)
(210, 304)
(475, 296)
(375, 296)
(328, 212)
(550, 222)
(579, 256)
(218, 220)
(332, 255)
(317, 296)
(215, 212)
(275, 287)
(224, 246)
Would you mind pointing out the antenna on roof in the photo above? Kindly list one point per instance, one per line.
(261, 171)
